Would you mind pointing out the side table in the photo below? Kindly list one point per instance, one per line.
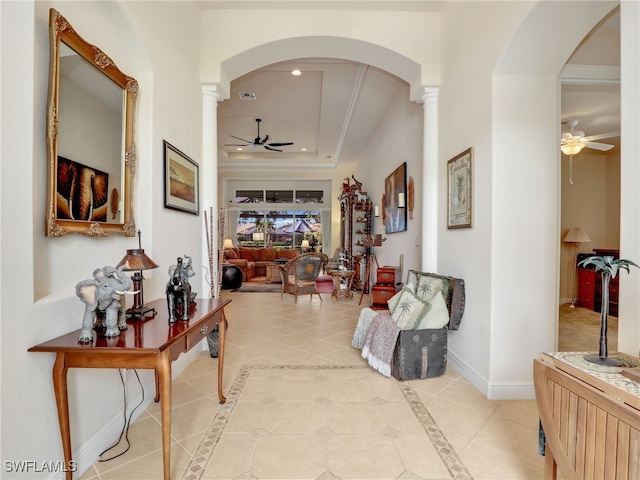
(153, 344)
(342, 283)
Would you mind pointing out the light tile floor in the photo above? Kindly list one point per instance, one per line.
(493, 439)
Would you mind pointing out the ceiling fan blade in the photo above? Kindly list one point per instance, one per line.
(247, 141)
(237, 144)
(567, 136)
(603, 147)
(264, 140)
(272, 149)
(280, 144)
(602, 136)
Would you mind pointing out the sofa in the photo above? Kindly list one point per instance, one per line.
(253, 261)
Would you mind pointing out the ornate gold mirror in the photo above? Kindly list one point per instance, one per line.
(90, 138)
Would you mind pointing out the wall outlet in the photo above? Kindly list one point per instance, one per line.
(417, 242)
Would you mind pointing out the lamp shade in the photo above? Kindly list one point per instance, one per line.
(576, 235)
(572, 148)
(305, 244)
(136, 259)
(228, 243)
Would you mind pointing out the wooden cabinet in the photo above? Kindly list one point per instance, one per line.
(613, 295)
(590, 285)
(586, 288)
(590, 417)
(382, 293)
(388, 275)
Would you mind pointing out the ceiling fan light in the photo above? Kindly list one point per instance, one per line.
(572, 148)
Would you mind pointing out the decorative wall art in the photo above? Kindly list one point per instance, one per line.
(82, 192)
(410, 200)
(181, 185)
(395, 192)
(460, 190)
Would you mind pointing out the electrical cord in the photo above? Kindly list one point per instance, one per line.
(127, 421)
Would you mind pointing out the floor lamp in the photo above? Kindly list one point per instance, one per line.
(575, 235)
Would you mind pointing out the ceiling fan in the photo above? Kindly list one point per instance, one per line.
(573, 141)
(259, 142)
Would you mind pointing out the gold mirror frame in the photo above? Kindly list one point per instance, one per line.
(61, 31)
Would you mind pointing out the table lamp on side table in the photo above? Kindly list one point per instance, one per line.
(575, 235)
(136, 261)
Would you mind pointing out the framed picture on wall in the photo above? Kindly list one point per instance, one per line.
(460, 190)
(395, 197)
(181, 186)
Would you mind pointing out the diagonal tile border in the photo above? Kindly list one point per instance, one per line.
(211, 437)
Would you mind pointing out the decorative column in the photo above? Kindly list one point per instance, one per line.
(211, 95)
(429, 188)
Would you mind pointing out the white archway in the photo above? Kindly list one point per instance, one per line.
(526, 104)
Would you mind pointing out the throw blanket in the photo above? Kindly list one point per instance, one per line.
(364, 322)
(380, 342)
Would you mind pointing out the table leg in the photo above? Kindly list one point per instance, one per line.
(163, 371)
(62, 403)
(222, 333)
(157, 397)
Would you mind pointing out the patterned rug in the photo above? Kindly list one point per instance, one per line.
(326, 389)
(257, 284)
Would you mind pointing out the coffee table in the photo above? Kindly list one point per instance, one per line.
(273, 273)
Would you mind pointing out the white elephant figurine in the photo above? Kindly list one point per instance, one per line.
(104, 301)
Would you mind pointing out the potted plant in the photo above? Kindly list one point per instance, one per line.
(608, 267)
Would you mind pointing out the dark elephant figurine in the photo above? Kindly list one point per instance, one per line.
(179, 294)
(104, 300)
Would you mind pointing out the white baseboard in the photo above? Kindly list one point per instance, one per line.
(87, 454)
(505, 391)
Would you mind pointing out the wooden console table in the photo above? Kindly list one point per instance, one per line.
(590, 416)
(150, 343)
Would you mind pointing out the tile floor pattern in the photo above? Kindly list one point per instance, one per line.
(491, 439)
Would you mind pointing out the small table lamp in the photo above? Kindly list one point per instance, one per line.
(304, 246)
(575, 235)
(136, 261)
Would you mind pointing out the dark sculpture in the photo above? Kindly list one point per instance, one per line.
(179, 294)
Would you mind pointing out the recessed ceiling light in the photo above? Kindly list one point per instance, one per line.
(303, 149)
(296, 73)
(239, 149)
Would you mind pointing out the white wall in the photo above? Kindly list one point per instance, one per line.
(397, 139)
(158, 47)
(592, 202)
(629, 300)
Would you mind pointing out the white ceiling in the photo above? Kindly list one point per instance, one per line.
(334, 107)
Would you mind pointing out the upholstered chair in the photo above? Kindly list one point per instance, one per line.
(300, 274)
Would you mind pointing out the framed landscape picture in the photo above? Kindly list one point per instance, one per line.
(460, 190)
(181, 186)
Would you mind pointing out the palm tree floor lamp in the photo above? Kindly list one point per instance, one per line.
(575, 235)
